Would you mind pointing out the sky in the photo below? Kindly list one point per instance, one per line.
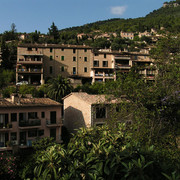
(31, 15)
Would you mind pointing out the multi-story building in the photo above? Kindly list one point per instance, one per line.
(108, 64)
(127, 35)
(36, 63)
(23, 120)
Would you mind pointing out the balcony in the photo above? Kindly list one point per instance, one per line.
(30, 70)
(5, 127)
(30, 61)
(122, 66)
(56, 123)
(30, 124)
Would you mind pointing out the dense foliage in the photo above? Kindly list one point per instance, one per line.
(102, 153)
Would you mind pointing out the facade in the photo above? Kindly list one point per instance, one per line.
(127, 35)
(81, 64)
(23, 120)
(35, 63)
(86, 110)
(108, 64)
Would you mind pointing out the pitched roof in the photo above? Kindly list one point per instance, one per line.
(94, 98)
(26, 102)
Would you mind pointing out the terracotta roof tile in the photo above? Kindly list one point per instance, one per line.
(28, 102)
(94, 98)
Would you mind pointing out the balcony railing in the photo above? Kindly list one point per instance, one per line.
(52, 123)
(34, 122)
(5, 126)
(122, 66)
(30, 61)
(30, 70)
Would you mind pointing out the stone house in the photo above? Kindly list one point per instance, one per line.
(86, 110)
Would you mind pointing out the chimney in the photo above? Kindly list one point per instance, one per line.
(14, 98)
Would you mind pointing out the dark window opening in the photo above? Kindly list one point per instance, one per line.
(74, 70)
(32, 133)
(42, 114)
(13, 117)
(96, 63)
(100, 112)
(105, 63)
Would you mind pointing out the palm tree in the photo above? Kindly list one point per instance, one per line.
(58, 88)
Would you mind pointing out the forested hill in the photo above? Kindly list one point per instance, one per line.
(167, 17)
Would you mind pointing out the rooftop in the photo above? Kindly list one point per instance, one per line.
(54, 46)
(26, 102)
(94, 98)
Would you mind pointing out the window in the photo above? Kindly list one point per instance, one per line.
(100, 112)
(104, 55)
(36, 49)
(32, 133)
(62, 49)
(62, 58)
(42, 114)
(74, 51)
(50, 49)
(29, 49)
(85, 69)
(50, 70)
(135, 57)
(13, 136)
(32, 115)
(62, 68)
(95, 54)
(41, 132)
(96, 63)
(74, 58)
(51, 58)
(74, 70)
(53, 117)
(22, 116)
(85, 50)
(105, 63)
(13, 117)
(85, 59)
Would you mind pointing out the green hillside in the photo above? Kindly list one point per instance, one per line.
(167, 17)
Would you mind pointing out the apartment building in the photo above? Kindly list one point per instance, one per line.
(38, 62)
(23, 120)
(108, 64)
(103, 66)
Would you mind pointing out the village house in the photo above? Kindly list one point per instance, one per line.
(23, 120)
(127, 35)
(87, 110)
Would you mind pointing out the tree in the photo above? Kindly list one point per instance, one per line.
(13, 28)
(58, 88)
(35, 36)
(53, 31)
